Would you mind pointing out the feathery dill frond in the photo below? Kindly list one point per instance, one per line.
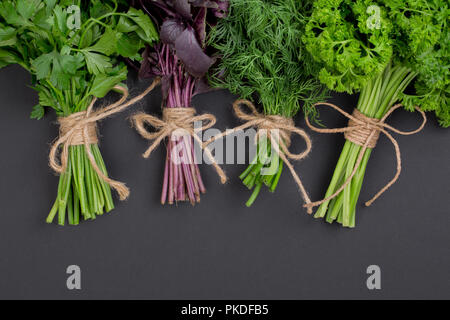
(262, 57)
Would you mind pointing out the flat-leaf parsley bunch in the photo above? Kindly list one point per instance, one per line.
(72, 50)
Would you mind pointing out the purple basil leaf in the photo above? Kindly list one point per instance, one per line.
(171, 30)
(202, 86)
(153, 58)
(163, 5)
(204, 3)
(222, 10)
(200, 26)
(189, 51)
(183, 7)
(145, 64)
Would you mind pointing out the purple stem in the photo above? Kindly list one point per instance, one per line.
(190, 164)
(197, 171)
(175, 172)
(182, 181)
(189, 184)
(165, 180)
(181, 186)
(187, 92)
(170, 173)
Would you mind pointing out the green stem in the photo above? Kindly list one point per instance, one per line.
(276, 179)
(76, 205)
(53, 212)
(321, 212)
(81, 185)
(89, 184)
(64, 195)
(109, 203)
(70, 206)
(375, 100)
(254, 194)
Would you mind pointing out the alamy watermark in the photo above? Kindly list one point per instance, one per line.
(374, 280)
(73, 281)
(240, 147)
(374, 21)
(74, 18)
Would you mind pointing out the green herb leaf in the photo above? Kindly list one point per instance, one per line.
(107, 44)
(7, 36)
(38, 112)
(147, 31)
(70, 64)
(27, 8)
(262, 57)
(128, 46)
(96, 63)
(103, 83)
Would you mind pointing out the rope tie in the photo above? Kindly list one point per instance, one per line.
(176, 121)
(78, 138)
(81, 129)
(278, 130)
(365, 131)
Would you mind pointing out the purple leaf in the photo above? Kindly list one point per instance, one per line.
(200, 26)
(153, 58)
(189, 51)
(202, 86)
(204, 3)
(171, 30)
(145, 64)
(222, 10)
(183, 7)
(162, 4)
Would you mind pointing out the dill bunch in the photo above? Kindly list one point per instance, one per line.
(263, 59)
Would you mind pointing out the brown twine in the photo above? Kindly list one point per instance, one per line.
(175, 120)
(275, 127)
(364, 131)
(81, 129)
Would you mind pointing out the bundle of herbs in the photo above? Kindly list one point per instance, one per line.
(180, 60)
(263, 60)
(390, 51)
(72, 50)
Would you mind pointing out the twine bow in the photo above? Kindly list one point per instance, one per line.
(176, 120)
(364, 131)
(279, 130)
(81, 129)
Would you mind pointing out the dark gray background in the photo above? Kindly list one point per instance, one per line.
(220, 249)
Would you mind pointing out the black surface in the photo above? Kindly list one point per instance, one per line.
(220, 249)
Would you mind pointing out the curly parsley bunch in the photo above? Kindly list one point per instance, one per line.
(384, 49)
(355, 41)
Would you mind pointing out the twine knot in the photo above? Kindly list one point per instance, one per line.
(81, 129)
(176, 121)
(278, 130)
(76, 122)
(365, 131)
(181, 118)
(280, 123)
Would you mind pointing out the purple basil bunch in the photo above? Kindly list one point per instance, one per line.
(181, 61)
